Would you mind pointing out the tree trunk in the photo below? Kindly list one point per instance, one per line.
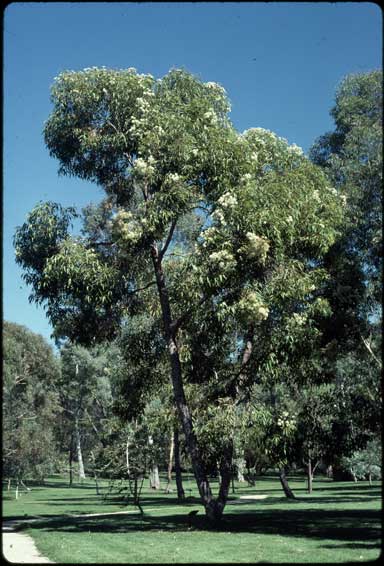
(213, 509)
(154, 478)
(284, 484)
(309, 475)
(370, 478)
(179, 479)
(168, 489)
(70, 462)
(127, 456)
(78, 449)
(240, 466)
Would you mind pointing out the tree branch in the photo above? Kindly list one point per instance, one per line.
(175, 325)
(142, 288)
(369, 348)
(168, 240)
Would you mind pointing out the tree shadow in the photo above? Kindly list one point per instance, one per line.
(346, 526)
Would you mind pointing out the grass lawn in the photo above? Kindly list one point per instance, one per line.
(338, 522)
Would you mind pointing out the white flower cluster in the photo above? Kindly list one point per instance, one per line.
(209, 235)
(215, 86)
(219, 217)
(286, 420)
(343, 199)
(173, 178)
(223, 259)
(246, 177)
(227, 200)
(316, 195)
(251, 308)
(210, 116)
(143, 168)
(125, 228)
(143, 104)
(256, 247)
(332, 190)
(299, 319)
(295, 150)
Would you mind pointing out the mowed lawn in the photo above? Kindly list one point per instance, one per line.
(338, 522)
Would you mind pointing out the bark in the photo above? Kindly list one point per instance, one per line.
(78, 449)
(213, 508)
(370, 478)
(179, 479)
(284, 484)
(170, 463)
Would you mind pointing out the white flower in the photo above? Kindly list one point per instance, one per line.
(343, 199)
(299, 319)
(295, 149)
(215, 86)
(173, 177)
(143, 168)
(246, 177)
(332, 190)
(219, 216)
(316, 196)
(256, 247)
(289, 218)
(223, 259)
(227, 200)
(254, 156)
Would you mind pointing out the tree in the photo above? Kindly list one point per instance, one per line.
(31, 405)
(163, 149)
(351, 156)
(86, 398)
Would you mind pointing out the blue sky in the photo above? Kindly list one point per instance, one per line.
(279, 62)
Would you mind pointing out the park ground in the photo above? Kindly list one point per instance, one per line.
(338, 522)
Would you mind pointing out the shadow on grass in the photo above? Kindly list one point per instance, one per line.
(360, 529)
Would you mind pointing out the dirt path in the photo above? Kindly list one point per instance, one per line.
(20, 549)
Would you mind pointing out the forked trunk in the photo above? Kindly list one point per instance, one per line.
(213, 508)
(285, 485)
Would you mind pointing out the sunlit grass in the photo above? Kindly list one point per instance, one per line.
(338, 522)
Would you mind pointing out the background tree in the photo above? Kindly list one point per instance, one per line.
(351, 156)
(86, 398)
(31, 406)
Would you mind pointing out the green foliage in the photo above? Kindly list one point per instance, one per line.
(367, 463)
(31, 405)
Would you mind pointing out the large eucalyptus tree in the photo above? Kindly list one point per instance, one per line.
(262, 218)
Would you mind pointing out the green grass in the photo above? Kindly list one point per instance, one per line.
(338, 522)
